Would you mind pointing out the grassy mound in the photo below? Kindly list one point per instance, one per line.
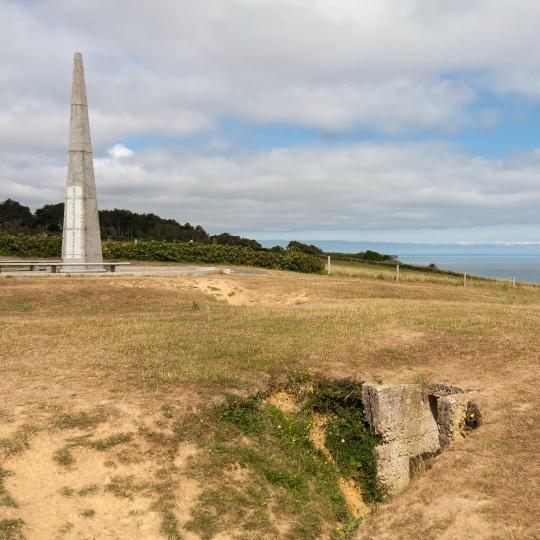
(273, 454)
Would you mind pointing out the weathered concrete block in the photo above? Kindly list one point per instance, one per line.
(451, 413)
(401, 412)
(414, 422)
(393, 470)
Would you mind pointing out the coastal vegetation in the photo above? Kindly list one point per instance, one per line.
(15, 218)
(50, 246)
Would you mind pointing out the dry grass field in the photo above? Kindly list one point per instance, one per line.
(109, 388)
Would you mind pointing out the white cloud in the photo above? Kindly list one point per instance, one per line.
(119, 151)
(358, 187)
(173, 69)
(177, 67)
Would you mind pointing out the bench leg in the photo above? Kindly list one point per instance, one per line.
(113, 268)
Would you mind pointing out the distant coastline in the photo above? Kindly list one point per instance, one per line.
(497, 260)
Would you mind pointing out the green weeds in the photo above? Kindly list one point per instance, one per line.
(260, 457)
(10, 529)
(64, 456)
(165, 505)
(5, 497)
(18, 442)
(80, 420)
(349, 439)
(88, 513)
(473, 418)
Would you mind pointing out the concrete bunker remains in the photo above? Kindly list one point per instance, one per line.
(415, 422)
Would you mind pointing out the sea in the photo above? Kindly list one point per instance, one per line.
(502, 261)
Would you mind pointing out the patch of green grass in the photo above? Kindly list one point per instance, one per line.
(88, 490)
(282, 470)
(292, 482)
(167, 412)
(64, 457)
(125, 487)
(165, 505)
(10, 529)
(5, 497)
(351, 444)
(88, 513)
(109, 442)
(66, 527)
(67, 491)
(80, 420)
(18, 442)
(222, 510)
(244, 414)
(274, 463)
(348, 438)
(332, 396)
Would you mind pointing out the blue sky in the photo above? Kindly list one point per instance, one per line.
(383, 120)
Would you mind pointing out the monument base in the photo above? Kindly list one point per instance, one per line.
(78, 270)
(81, 267)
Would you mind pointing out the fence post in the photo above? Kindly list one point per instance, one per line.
(329, 264)
(465, 279)
(397, 273)
(514, 282)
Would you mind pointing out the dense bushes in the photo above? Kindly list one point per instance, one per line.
(210, 253)
(38, 245)
(184, 252)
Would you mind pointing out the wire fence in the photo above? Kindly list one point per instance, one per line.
(399, 272)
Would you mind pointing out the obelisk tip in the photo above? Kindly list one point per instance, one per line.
(78, 94)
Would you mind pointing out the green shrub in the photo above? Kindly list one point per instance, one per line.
(39, 245)
(44, 246)
(349, 438)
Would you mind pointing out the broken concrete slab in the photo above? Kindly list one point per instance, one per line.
(414, 422)
(401, 412)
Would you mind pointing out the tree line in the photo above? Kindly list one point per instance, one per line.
(117, 224)
(15, 218)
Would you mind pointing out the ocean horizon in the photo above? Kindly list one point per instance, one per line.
(498, 260)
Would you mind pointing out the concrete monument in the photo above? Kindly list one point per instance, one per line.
(81, 241)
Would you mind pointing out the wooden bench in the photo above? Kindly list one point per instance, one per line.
(54, 266)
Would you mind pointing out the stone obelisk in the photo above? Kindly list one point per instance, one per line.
(81, 240)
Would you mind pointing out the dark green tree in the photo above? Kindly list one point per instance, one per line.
(15, 218)
(49, 218)
(232, 240)
(310, 249)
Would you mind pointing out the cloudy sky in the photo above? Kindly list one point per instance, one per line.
(398, 120)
